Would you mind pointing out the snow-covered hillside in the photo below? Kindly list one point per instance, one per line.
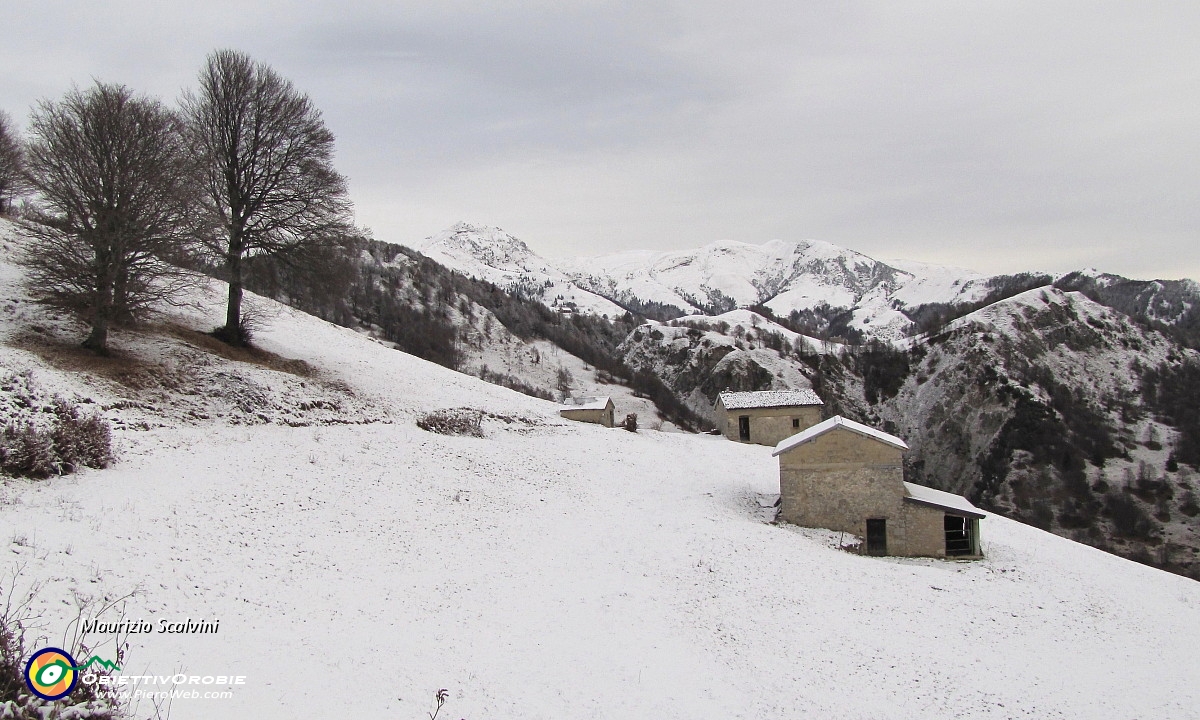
(546, 570)
(1034, 406)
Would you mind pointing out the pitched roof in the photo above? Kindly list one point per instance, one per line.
(768, 399)
(831, 424)
(598, 403)
(939, 499)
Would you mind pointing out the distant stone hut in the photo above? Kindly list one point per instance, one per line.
(845, 476)
(594, 410)
(767, 416)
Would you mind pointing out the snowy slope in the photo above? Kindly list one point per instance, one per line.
(555, 570)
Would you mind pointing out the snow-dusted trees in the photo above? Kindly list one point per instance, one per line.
(112, 203)
(12, 183)
(266, 169)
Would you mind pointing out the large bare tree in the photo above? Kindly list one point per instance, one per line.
(266, 162)
(112, 206)
(12, 183)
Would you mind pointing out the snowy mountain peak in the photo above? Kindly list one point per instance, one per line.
(490, 246)
(491, 254)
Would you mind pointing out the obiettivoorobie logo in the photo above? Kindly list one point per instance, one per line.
(52, 674)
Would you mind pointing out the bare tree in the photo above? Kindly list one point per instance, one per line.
(112, 206)
(12, 183)
(266, 162)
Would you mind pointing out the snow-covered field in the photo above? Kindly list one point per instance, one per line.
(551, 569)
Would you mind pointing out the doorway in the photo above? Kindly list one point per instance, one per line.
(958, 536)
(876, 536)
(744, 428)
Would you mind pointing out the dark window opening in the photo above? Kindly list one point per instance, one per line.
(958, 536)
(876, 536)
(795, 422)
(744, 428)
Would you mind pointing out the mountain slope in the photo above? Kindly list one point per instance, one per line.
(553, 569)
(1033, 407)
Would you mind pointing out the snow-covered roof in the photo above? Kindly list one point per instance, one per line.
(768, 399)
(832, 423)
(941, 499)
(596, 403)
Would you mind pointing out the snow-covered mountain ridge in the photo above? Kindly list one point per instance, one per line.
(782, 275)
(881, 300)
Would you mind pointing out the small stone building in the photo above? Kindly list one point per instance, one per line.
(845, 476)
(767, 416)
(593, 410)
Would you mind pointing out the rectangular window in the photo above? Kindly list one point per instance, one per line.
(795, 422)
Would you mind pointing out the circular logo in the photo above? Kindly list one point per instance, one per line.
(50, 673)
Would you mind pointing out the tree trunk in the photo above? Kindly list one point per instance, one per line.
(233, 313)
(97, 341)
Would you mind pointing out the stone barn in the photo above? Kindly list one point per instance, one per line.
(594, 410)
(845, 476)
(767, 416)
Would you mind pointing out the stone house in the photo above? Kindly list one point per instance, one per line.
(845, 476)
(767, 416)
(594, 410)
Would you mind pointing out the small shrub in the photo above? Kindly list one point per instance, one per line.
(238, 337)
(454, 421)
(80, 439)
(70, 440)
(630, 423)
(27, 450)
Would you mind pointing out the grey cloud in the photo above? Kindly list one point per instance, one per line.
(1000, 136)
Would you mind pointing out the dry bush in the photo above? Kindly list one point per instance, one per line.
(62, 444)
(20, 637)
(453, 421)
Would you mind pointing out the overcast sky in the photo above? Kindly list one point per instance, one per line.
(997, 136)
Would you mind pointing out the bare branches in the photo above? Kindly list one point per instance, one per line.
(265, 161)
(12, 182)
(113, 204)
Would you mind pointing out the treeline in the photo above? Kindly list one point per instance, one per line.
(1171, 307)
(1172, 392)
(821, 321)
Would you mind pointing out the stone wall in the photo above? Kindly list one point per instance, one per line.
(603, 416)
(768, 425)
(841, 478)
